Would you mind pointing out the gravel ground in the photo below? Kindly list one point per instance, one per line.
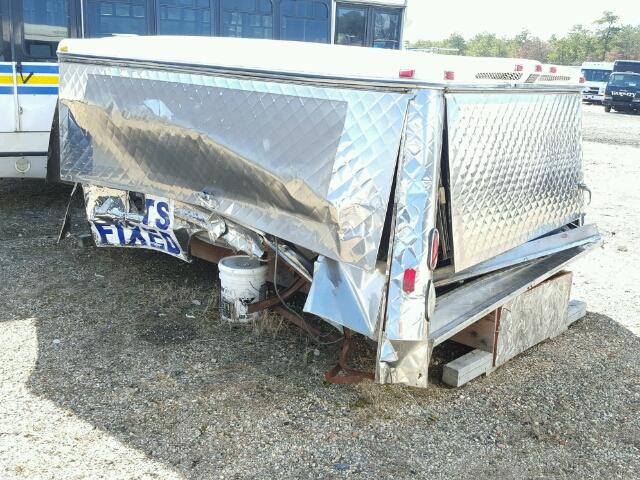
(115, 365)
(609, 279)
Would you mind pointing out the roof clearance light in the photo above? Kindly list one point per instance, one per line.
(553, 70)
(407, 73)
(519, 67)
(539, 67)
(409, 280)
(449, 75)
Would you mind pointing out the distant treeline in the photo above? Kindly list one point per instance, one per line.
(605, 40)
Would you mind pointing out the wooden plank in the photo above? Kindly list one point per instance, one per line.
(480, 334)
(467, 367)
(577, 310)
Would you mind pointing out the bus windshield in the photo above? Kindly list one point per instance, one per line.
(591, 75)
(45, 24)
(628, 80)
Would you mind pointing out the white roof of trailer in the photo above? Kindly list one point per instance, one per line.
(560, 74)
(312, 59)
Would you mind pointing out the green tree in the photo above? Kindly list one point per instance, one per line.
(607, 29)
(626, 44)
(534, 48)
(608, 41)
(578, 46)
(455, 41)
(458, 42)
(487, 45)
(515, 44)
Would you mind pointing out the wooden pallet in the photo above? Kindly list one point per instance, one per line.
(481, 360)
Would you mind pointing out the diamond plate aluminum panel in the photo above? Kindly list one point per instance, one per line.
(534, 316)
(515, 166)
(415, 216)
(403, 346)
(312, 165)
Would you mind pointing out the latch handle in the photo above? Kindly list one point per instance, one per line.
(583, 187)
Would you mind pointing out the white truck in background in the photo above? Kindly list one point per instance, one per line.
(596, 76)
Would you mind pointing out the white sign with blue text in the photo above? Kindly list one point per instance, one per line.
(155, 231)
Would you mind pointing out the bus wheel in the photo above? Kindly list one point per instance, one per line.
(607, 108)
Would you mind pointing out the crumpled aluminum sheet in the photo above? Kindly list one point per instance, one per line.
(347, 296)
(114, 205)
(406, 326)
(312, 165)
(515, 167)
(533, 316)
(404, 362)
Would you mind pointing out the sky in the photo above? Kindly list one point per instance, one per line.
(435, 20)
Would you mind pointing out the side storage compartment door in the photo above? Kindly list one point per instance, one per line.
(515, 168)
(38, 27)
(8, 101)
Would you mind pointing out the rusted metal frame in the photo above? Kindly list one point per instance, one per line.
(299, 322)
(350, 375)
(207, 251)
(275, 300)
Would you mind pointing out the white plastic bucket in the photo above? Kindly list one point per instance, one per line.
(243, 281)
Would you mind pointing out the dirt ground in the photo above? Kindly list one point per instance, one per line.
(114, 364)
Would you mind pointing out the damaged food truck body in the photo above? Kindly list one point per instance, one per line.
(415, 211)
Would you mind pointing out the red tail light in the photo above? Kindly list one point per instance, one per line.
(519, 67)
(409, 280)
(407, 73)
(434, 245)
(449, 75)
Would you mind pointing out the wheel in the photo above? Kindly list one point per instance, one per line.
(607, 109)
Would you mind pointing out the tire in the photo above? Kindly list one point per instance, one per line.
(607, 109)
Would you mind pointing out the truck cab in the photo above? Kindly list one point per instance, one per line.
(622, 92)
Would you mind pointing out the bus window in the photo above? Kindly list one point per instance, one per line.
(106, 17)
(45, 24)
(185, 17)
(247, 18)
(304, 20)
(3, 47)
(386, 28)
(350, 25)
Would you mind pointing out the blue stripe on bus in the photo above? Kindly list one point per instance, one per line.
(6, 69)
(37, 90)
(6, 90)
(39, 68)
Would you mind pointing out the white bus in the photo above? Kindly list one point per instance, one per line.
(596, 76)
(31, 29)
